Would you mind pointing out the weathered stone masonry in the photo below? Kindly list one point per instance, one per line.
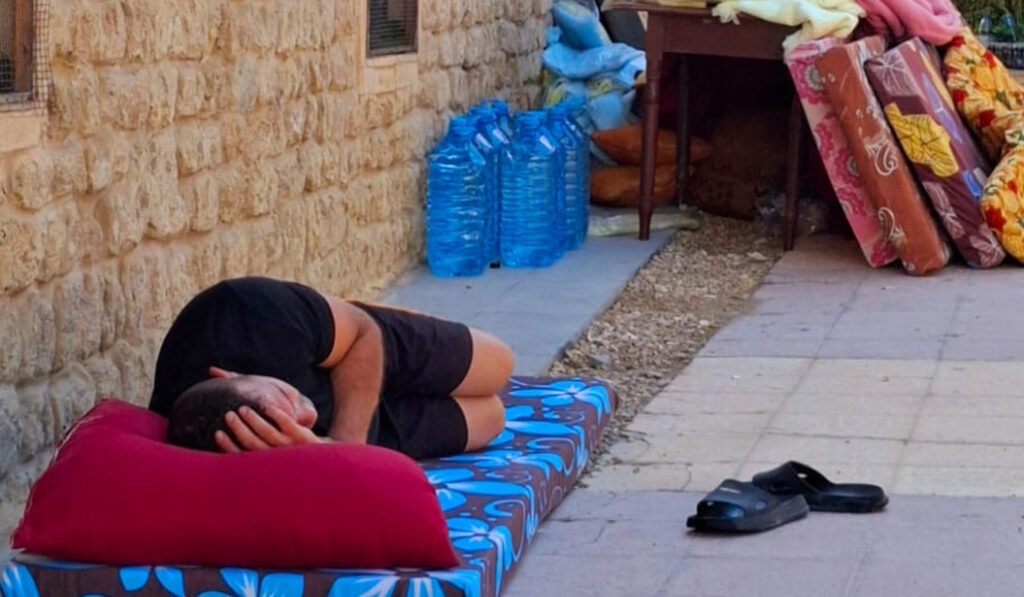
(189, 141)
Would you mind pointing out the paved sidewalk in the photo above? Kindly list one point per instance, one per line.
(873, 376)
(537, 311)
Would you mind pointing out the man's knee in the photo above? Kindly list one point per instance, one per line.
(485, 420)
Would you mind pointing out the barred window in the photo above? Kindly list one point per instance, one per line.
(392, 27)
(17, 32)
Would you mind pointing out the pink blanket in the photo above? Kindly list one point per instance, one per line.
(935, 21)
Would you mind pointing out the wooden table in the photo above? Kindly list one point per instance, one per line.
(694, 31)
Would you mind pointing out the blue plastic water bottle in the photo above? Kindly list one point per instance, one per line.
(529, 167)
(504, 116)
(494, 138)
(577, 112)
(576, 212)
(457, 203)
(565, 143)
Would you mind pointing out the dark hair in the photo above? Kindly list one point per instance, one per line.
(199, 412)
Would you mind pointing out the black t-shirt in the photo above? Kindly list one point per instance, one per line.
(255, 326)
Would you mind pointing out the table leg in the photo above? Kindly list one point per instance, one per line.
(649, 148)
(683, 130)
(795, 153)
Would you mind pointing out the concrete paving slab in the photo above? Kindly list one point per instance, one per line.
(517, 305)
(867, 375)
(686, 403)
(774, 447)
(920, 546)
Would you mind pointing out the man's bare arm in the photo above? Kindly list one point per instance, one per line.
(357, 371)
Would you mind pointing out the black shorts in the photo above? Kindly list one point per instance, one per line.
(425, 359)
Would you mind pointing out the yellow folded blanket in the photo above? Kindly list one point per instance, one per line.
(816, 18)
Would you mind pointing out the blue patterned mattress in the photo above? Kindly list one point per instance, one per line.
(494, 501)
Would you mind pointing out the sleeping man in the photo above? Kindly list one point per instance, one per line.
(254, 363)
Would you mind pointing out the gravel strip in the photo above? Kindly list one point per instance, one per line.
(694, 285)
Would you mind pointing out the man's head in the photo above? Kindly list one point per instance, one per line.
(199, 412)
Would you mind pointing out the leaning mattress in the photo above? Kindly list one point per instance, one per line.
(494, 501)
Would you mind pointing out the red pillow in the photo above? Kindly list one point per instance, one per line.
(116, 493)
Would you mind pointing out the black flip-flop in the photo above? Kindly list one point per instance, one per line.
(737, 507)
(822, 495)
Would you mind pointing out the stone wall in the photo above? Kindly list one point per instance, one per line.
(189, 141)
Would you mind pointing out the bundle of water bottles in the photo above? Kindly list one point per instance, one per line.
(507, 190)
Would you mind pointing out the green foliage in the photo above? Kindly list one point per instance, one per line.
(972, 11)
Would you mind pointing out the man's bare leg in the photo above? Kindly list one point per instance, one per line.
(477, 395)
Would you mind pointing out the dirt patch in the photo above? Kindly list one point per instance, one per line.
(693, 286)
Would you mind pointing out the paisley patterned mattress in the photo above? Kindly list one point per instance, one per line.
(494, 501)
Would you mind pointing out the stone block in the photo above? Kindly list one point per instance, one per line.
(191, 90)
(133, 281)
(99, 31)
(192, 28)
(114, 311)
(62, 108)
(311, 162)
(60, 236)
(148, 38)
(105, 376)
(21, 131)
(10, 348)
(72, 392)
(268, 241)
(122, 217)
(231, 200)
(434, 91)
(163, 90)
(125, 97)
(457, 12)
(201, 194)
(70, 174)
(289, 26)
(76, 102)
(291, 220)
(181, 284)
(245, 78)
(206, 261)
(263, 133)
(198, 146)
(61, 15)
(38, 333)
(326, 221)
(293, 122)
(78, 312)
(157, 313)
(32, 179)
(290, 178)
(167, 213)
(458, 82)
(9, 432)
(342, 62)
(372, 110)
(235, 249)
(217, 86)
(34, 419)
(314, 130)
(320, 72)
(131, 362)
(336, 114)
(107, 159)
(21, 252)
(261, 188)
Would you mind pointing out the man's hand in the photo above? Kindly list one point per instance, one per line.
(253, 432)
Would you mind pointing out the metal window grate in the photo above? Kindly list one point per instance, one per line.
(25, 74)
(391, 27)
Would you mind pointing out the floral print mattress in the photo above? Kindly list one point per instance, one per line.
(494, 501)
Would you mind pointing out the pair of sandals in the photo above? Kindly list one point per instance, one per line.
(778, 496)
